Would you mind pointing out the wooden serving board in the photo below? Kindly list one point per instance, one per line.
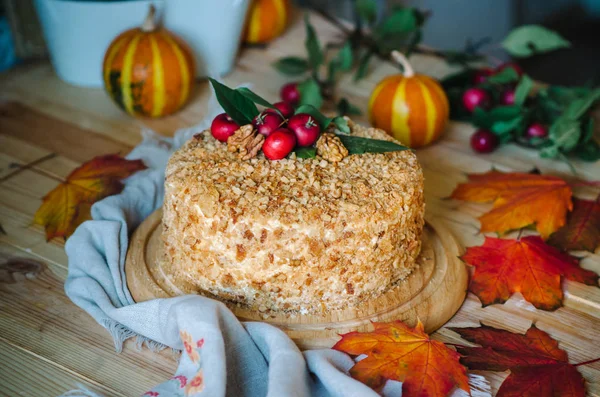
(432, 293)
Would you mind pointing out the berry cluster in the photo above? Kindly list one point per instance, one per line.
(283, 130)
(484, 141)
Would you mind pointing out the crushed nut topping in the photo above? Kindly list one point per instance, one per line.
(246, 141)
(237, 228)
(331, 148)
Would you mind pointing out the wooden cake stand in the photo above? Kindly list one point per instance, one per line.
(433, 292)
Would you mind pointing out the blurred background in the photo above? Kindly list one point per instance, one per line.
(451, 24)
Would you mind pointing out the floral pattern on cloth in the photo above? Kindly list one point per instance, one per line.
(192, 382)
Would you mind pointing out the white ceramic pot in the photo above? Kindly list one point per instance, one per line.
(79, 32)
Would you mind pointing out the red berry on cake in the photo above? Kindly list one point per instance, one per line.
(305, 127)
(289, 93)
(267, 122)
(279, 144)
(223, 127)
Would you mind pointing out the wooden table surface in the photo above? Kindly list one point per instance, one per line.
(48, 345)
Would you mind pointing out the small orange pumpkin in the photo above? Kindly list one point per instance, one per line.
(413, 108)
(148, 71)
(267, 19)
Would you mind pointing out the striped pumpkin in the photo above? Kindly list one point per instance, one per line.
(413, 108)
(267, 19)
(148, 71)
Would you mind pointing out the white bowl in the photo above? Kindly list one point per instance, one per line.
(79, 32)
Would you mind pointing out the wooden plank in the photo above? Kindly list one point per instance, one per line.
(54, 135)
(38, 318)
(16, 153)
(11, 252)
(25, 374)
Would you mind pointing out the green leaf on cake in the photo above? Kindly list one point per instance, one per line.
(358, 145)
(341, 124)
(255, 97)
(241, 109)
(306, 152)
(523, 89)
(313, 47)
(292, 66)
(528, 40)
(314, 112)
(310, 93)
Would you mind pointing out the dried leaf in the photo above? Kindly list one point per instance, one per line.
(582, 231)
(68, 205)
(527, 265)
(395, 351)
(519, 200)
(538, 366)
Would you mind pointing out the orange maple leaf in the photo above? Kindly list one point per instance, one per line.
(519, 200)
(582, 231)
(395, 351)
(538, 367)
(527, 265)
(68, 205)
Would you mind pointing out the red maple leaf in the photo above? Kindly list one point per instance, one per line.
(395, 351)
(527, 265)
(538, 367)
(519, 200)
(582, 231)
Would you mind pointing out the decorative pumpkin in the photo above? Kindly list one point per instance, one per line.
(266, 20)
(413, 108)
(148, 71)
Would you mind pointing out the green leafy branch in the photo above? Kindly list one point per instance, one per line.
(567, 110)
(323, 64)
(370, 37)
